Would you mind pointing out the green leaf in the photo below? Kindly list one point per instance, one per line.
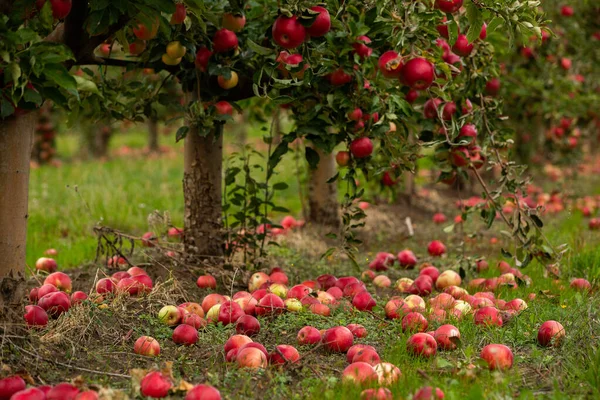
(181, 133)
(14, 72)
(32, 96)
(505, 253)
(263, 51)
(452, 32)
(6, 108)
(280, 186)
(312, 157)
(59, 75)
(85, 85)
(475, 21)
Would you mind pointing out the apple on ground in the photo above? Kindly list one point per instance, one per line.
(170, 315)
(338, 339)
(247, 325)
(497, 356)
(308, 335)
(428, 393)
(203, 392)
(551, 333)
(35, 316)
(283, 354)
(387, 373)
(251, 357)
(359, 373)
(62, 391)
(46, 264)
(146, 346)
(11, 385)
(376, 394)
(156, 385)
(422, 344)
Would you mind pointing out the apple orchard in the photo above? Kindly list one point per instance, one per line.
(369, 89)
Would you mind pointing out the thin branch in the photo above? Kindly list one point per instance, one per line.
(91, 371)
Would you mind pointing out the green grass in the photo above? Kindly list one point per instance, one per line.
(66, 202)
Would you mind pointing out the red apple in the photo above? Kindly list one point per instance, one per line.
(146, 346)
(407, 259)
(247, 325)
(45, 289)
(361, 147)
(105, 285)
(462, 47)
(202, 58)
(492, 87)
(390, 64)
(185, 335)
(233, 22)
(359, 373)
(212, 299)
(418, 73)
(143, 32)
(363, 301)
(436, 248)
(430, 108)
(60, 280)
(414, 322)
(376, 394)
(449, 6)
(206, 282)
(203, 392)
(488, 316)
(422, 286)
(308, 335)
(235, 342)
(447, 337)
(421, 344)
(46, 264)
(251, 357)
(396, 308)
(361, 48)
(55, 303)
(338, 339)
(448, 278)
(366, 355)
(156, 385)
(551, 333)
(10, 386)
(357, 330)
(224, 41)
(144, 283)
(321, 24)
(29, 394)
(87, 395)
(428, 393)
(342, 158)
(35, 316)
(60, 8)
(567, 11)
(179, 15)
(270, 304)
(581, 284)
(135, 271)
(288, 32)
(497, 356)
(284, 354)
(62, 391)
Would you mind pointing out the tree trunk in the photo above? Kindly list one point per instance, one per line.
(322, 196)
(202, 182)
(153, 135)
(101, 141)
(16, 135)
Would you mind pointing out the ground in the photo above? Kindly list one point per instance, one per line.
(95, 342)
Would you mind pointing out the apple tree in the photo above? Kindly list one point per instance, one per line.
(322, 61)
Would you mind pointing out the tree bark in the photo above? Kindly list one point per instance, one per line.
(153, 135)
(101, 141)
(202, 182)
(322, 196)
(16, 134)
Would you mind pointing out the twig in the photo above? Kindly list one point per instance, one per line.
(91, 371)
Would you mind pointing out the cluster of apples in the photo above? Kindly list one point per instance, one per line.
(288, 223)
(54, 296)
(158, 385)
(15, 388)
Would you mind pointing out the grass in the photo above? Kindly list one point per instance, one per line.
(66, 202)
